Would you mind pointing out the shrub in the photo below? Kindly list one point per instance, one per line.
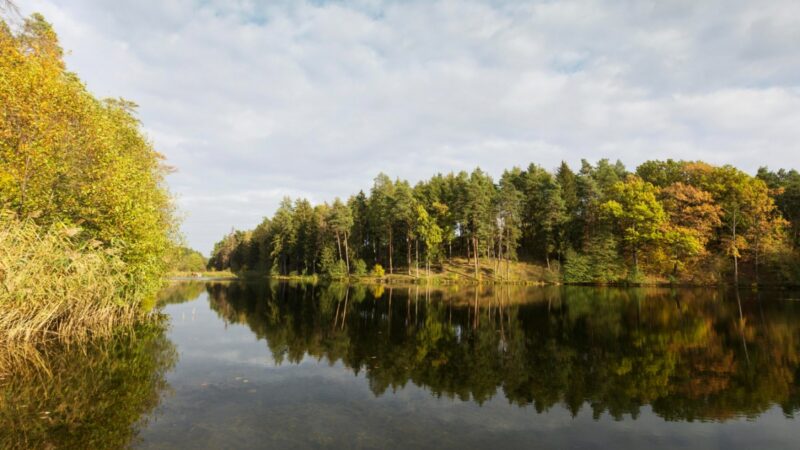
(599, 264)
(377, 271)
(330, 266)
(577, 268)
(359, 267)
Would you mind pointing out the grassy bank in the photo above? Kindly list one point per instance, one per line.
(56, 286)
(216, 274)
(461, 271)
(458, 271)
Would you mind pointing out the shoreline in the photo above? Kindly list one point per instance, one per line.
(402, 280)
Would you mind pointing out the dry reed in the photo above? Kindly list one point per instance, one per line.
(56, 287)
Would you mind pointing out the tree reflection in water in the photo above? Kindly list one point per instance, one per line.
(685, 352)
(93, 396)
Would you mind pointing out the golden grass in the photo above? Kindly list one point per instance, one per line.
(202, 274)
(461, 271)
(53, 286)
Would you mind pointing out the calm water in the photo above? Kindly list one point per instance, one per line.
(292, 366)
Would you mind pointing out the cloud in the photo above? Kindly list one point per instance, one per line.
(255, 100)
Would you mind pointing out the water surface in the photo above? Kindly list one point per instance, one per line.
(296, 366)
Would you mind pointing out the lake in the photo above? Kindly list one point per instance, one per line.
(281, 365)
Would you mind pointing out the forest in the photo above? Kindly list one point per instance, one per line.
(667, 221)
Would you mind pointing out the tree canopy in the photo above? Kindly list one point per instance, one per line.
(683, 221)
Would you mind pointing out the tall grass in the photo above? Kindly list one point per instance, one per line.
(56, 286)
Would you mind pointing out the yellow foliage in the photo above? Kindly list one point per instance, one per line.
(67, 157)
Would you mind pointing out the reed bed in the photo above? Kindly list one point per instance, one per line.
(54, 286)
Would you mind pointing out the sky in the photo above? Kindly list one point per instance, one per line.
(253, 101)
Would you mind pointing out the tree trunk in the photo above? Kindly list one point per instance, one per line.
(346, 254)
(408, 254)
(391, 269)
(416, 255)
(758, 247)
(499, 257)
(508, 254)
(475, 251)
(735, 253)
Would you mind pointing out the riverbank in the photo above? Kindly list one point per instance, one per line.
(457, 271)
(202, 276)
(461, 272)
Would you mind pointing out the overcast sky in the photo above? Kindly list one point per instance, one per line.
(252, 101)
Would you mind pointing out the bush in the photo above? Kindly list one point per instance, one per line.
(577, 268)
(184, 259)
(599, 264)
(359, 268)
(377, 271)
(330, 266)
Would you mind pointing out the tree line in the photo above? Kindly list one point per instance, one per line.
(679, 221)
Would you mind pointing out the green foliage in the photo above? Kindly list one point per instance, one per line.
(600, 262)
(378, 271)
(578, 268)
(68, 157)
(673, 221)
(429, 232)
(639, 216)
(184, 259)
(330, 266)
(785, 187)
(359, 268)
(87, 396)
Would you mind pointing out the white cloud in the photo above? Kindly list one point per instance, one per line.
(252, 101)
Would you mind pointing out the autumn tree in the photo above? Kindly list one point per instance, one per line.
(694, 218)
(638, 214)
(68, 157)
